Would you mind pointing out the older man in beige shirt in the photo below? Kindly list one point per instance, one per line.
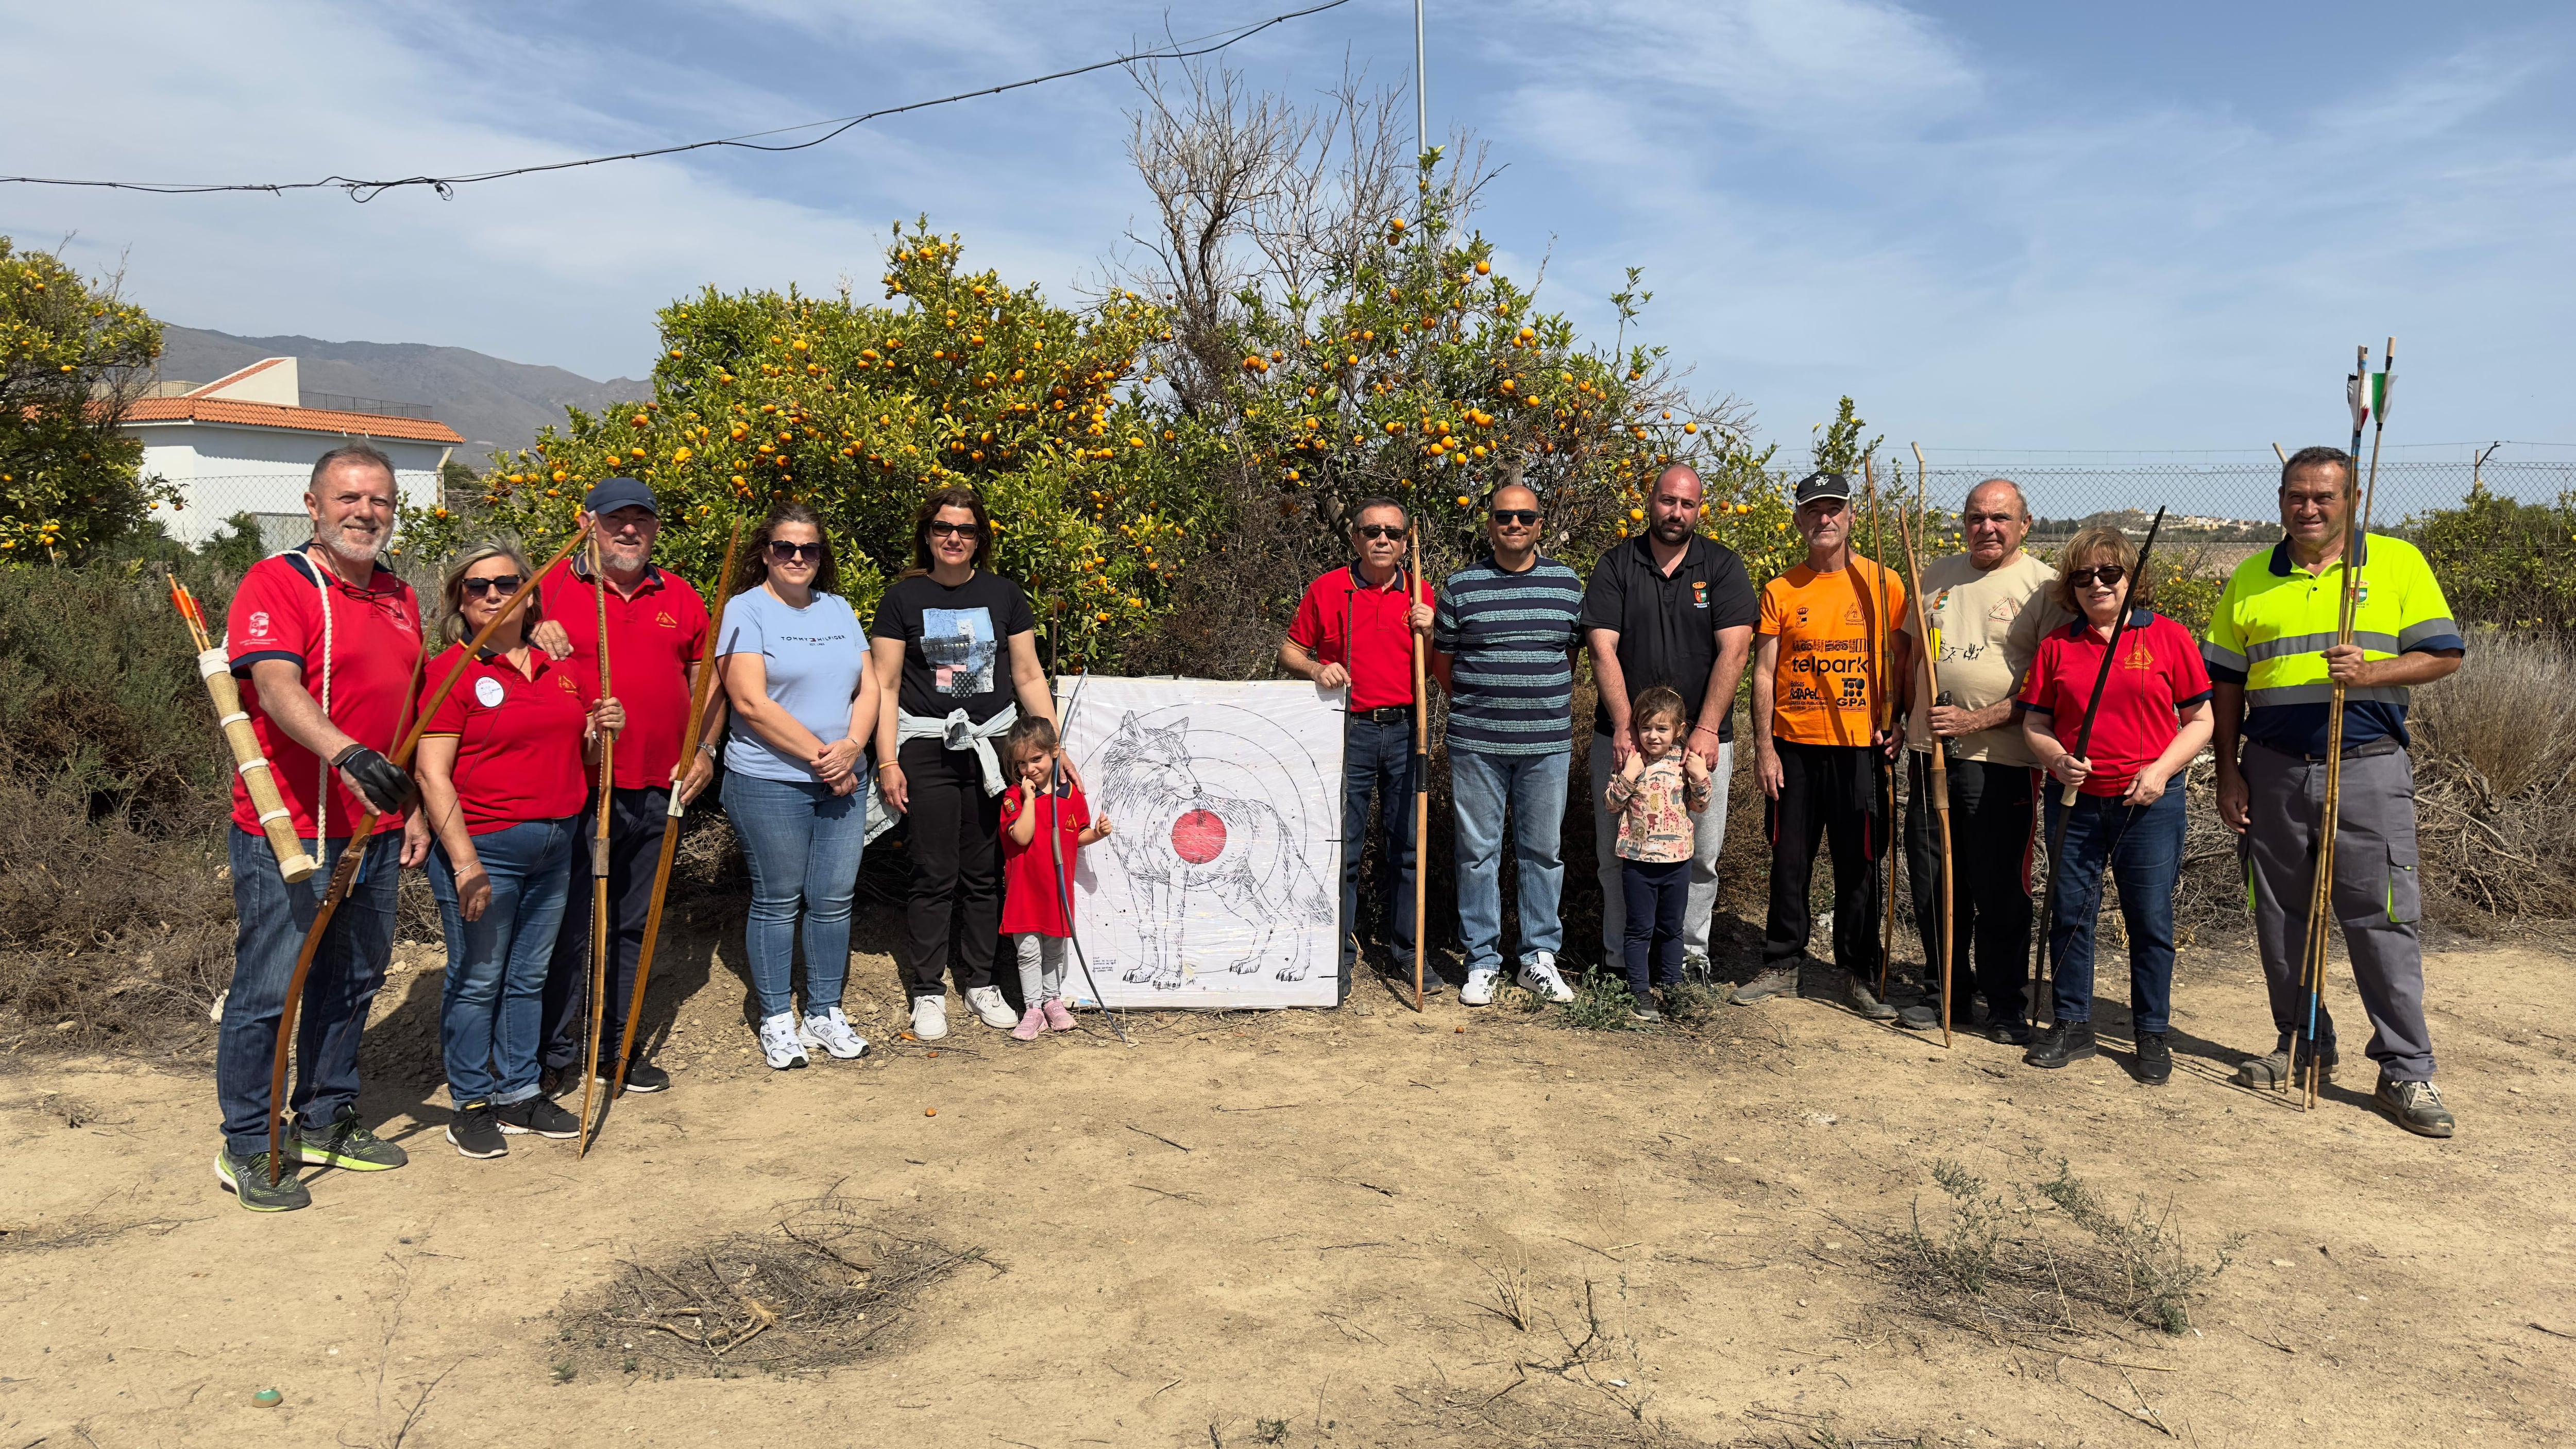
(1989, 609)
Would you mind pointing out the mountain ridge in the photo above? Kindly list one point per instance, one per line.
(496, 404)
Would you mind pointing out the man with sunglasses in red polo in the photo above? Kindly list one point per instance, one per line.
(1355, 629)
(657, 632)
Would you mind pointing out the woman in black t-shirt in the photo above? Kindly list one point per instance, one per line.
(957, 659)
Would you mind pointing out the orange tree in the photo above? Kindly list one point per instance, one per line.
(72, 355)
(858, 410)
(1422, 373)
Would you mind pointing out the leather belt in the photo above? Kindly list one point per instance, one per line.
(2384, 745)
(1387, 714)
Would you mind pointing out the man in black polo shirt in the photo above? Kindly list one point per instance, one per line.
(1670, 608)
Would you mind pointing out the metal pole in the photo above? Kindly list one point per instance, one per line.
(1421, 88)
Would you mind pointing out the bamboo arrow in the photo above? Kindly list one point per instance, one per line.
(599, 858)
(1880, 713)
(1940, 770)
(1421, 770)
(346, 870)
(2370, 404)
(699, 692)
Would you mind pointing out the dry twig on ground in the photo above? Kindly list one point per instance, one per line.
(820, 1289)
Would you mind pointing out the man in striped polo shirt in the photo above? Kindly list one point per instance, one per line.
(1503, 641)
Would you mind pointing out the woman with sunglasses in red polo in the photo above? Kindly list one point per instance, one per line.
(502, 780)
(2127, 818)
(795, 670)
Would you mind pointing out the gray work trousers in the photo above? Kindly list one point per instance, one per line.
(2375, 895)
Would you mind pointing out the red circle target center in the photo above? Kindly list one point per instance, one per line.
(1198, 837)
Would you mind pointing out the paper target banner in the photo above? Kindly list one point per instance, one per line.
(1219, 885)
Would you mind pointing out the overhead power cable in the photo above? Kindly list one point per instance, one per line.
(363, 190)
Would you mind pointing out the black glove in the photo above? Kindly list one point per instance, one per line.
(383, 783)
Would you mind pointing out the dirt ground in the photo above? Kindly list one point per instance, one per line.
(1358, 1227)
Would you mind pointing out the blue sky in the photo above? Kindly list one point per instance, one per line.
(1999, 226)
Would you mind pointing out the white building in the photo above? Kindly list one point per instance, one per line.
(246, 444)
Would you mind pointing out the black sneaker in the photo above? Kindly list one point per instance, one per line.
(2008, 1033)
(539, 1115)
(2155, 1059)
(246, 1178)
(348, 1144)
(556, 1081)
(643, 1077)
(476, 1131)
(2070, 1041)
(1918, 1017)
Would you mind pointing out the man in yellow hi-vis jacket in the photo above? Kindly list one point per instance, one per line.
(2274, 660)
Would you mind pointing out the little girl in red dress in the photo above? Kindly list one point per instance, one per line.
(1038, 816)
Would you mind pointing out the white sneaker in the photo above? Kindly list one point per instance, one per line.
(778, 1042)
(1539, 975)
(832, 1032)
(929, 1017)
(1479, 990)
(988, 1004)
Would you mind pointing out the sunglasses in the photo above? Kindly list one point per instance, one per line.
(1527, 517)
(943, 529)
(504, 583)
(2109, 574)
(788, 553)
(1380, 530)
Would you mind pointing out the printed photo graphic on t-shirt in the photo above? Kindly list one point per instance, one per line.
(960, 645)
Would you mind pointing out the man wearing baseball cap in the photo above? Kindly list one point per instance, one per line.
(1821, 654)
(657, 631)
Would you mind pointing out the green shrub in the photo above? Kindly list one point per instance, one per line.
(2502, 562)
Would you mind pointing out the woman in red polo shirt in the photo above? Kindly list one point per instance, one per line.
(2127, 816)
(502, 781)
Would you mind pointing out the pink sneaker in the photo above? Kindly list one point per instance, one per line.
(1058, 1016)
(1033, 1022)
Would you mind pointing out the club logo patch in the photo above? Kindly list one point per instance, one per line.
(259, 622)
(488, 692)
(1699, 593)
(665, 620)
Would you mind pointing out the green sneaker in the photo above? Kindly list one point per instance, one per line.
(247, 1179)
(348, 1143)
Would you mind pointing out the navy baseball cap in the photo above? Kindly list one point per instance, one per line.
(612, 494)
(1823, 485)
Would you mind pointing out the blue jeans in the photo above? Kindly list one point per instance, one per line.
(491, 1017)
(1533, 786)
(272, 917)
(1656, 893)
(803, 844)
(1377, 761)
(2144, 846)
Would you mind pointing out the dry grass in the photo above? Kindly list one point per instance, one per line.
(2495, 747)
(111, 935)
(820, 1289)
(2056, 1265)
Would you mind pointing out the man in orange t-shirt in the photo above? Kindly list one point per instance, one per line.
(1823, 655)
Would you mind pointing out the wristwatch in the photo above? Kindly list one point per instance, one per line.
(707, 748)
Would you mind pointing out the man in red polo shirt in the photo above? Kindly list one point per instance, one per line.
(325, 642)
(657, 632)
(1355, 628)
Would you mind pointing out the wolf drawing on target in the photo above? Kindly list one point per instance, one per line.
(1188, 849)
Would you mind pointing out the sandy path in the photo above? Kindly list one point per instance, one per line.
(1323, 1252)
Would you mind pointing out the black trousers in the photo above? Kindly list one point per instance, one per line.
(636, 819)
(956, 844)
(1830, 794)
(1993, 817)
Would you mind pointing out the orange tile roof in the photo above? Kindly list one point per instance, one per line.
(300, 420)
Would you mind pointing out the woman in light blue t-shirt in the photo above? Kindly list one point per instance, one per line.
(795, 668)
